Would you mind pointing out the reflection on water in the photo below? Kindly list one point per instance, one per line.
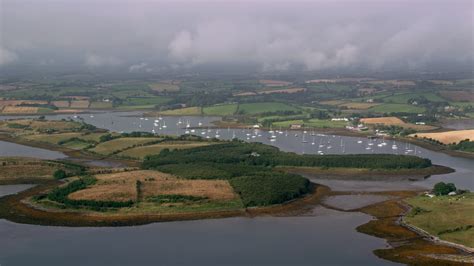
(13, 149)
(322, 237)
(324, 240)
(354, 201)
(12, 189)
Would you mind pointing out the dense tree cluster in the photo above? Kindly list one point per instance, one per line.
(249, 167)
(465, 145)
(269, 188)
(442, 188)
(237, 152)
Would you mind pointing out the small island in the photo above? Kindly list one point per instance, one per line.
(164, 178)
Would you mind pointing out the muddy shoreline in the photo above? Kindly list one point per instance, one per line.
(15, 208)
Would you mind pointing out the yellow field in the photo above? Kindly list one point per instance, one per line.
(80, 104)
(142, 151)
(119, 144)
(122, 187)
(448, 137)
(358, 106)
(272, 83)
(247, 93)
(394, 121)
(61, 104)
(20, 110)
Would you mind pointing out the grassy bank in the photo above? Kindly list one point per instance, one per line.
(449, 218)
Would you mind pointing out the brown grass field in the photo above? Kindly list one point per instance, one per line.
(20, 168)
(119, 144)
(458, 96)
(394, 121)
(80, 104)
(142, 151)
(19, 110)
(448, 137)
(55, 138)
(358, 106)
(333, 102)
(61, 104)
(122, 187)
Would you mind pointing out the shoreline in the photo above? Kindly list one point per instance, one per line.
(431, 237)
(370, 174)
(407, 246)
(15, 208)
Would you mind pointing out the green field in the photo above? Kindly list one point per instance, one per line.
(396, 108)
(120, 144)
(142, 151)
(404, 97)
(450, 218)
(314, 123)
(55, 138)
(183, 111)
(164, 87)
(220, 110)
(266, 107)
(143, 102)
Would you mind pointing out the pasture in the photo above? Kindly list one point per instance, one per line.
(265, 107)
(142, 151)
(396, 108)
(450, 218)
(394, 121)
(164, 87)
(220, 110)
(183, 111)
(358, 105)
(404, 97)
(116, 145)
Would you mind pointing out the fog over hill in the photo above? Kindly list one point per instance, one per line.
(153, 36)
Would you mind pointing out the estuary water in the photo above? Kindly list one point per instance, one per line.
(295, 141)
(322, 237)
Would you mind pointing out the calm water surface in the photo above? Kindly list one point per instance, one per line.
(322, 237)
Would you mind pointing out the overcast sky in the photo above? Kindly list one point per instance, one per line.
(315, 35)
